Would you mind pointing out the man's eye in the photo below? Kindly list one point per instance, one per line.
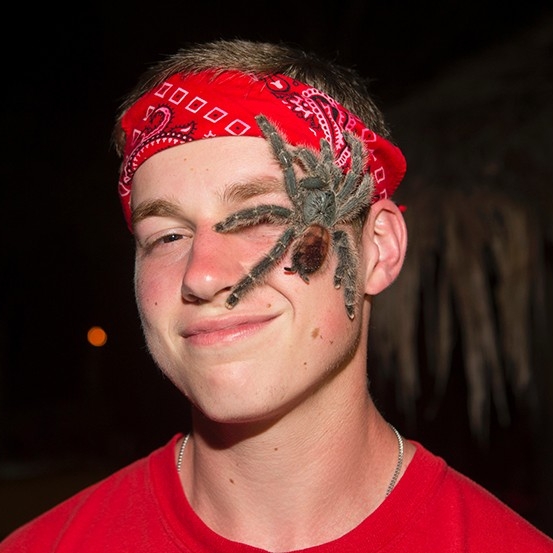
(160, 242)
(266, 230)
(173, 237)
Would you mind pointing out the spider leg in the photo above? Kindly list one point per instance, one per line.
(252, 216)
(320, 165)
(359, 200)
(283, 156)
(356, 168)
(346, 270)
(258, 271)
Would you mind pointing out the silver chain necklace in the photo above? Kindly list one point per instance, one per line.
(181, 452)
(390, 487)
(399, 463)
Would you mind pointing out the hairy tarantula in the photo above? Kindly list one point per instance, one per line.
(322, 199)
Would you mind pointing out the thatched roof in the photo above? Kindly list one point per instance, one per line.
(479, 197)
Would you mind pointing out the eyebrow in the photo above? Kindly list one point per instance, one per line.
(241, 191)
(235, 192)
(154, 208)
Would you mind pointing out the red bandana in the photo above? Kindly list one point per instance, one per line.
(195, 106)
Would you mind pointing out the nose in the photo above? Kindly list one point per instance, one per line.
(213, 267)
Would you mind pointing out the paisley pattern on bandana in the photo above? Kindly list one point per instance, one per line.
(205, 105)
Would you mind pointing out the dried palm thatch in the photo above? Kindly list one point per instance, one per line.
(479, 144)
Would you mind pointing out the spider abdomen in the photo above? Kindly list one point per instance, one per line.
(310, 251)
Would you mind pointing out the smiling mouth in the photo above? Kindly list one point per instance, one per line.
(224, 331)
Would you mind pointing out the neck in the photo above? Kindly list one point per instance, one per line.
(258, 483)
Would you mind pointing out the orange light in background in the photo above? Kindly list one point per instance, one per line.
(97, 336)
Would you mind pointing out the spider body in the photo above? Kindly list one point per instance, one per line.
(319, 206)
(323, 198)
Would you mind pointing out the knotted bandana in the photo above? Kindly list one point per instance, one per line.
(205, 105)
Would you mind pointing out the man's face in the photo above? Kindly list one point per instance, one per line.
(284, 340)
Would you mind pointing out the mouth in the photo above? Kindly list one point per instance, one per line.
(222, 331)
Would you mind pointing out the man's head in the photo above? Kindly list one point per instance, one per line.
(224, 151)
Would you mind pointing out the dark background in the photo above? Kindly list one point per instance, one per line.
(71, 413)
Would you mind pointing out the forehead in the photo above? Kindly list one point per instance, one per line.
(209, 164)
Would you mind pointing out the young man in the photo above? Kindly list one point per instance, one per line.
(256, 180)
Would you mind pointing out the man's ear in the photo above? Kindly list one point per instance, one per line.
(385, 245)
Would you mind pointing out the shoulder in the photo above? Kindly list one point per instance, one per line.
(98, 509)
(469, 514)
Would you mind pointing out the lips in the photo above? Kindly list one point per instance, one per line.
(224, 330)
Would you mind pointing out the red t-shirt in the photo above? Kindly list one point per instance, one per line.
(142, 509)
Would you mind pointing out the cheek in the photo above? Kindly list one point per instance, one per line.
(153, 287)
(318, 302)
(144, 290)
(152, 304)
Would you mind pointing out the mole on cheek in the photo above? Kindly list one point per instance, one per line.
(315, 332)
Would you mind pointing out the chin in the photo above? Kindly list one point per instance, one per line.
(239, 410)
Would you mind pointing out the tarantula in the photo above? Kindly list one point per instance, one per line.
(322, 199)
